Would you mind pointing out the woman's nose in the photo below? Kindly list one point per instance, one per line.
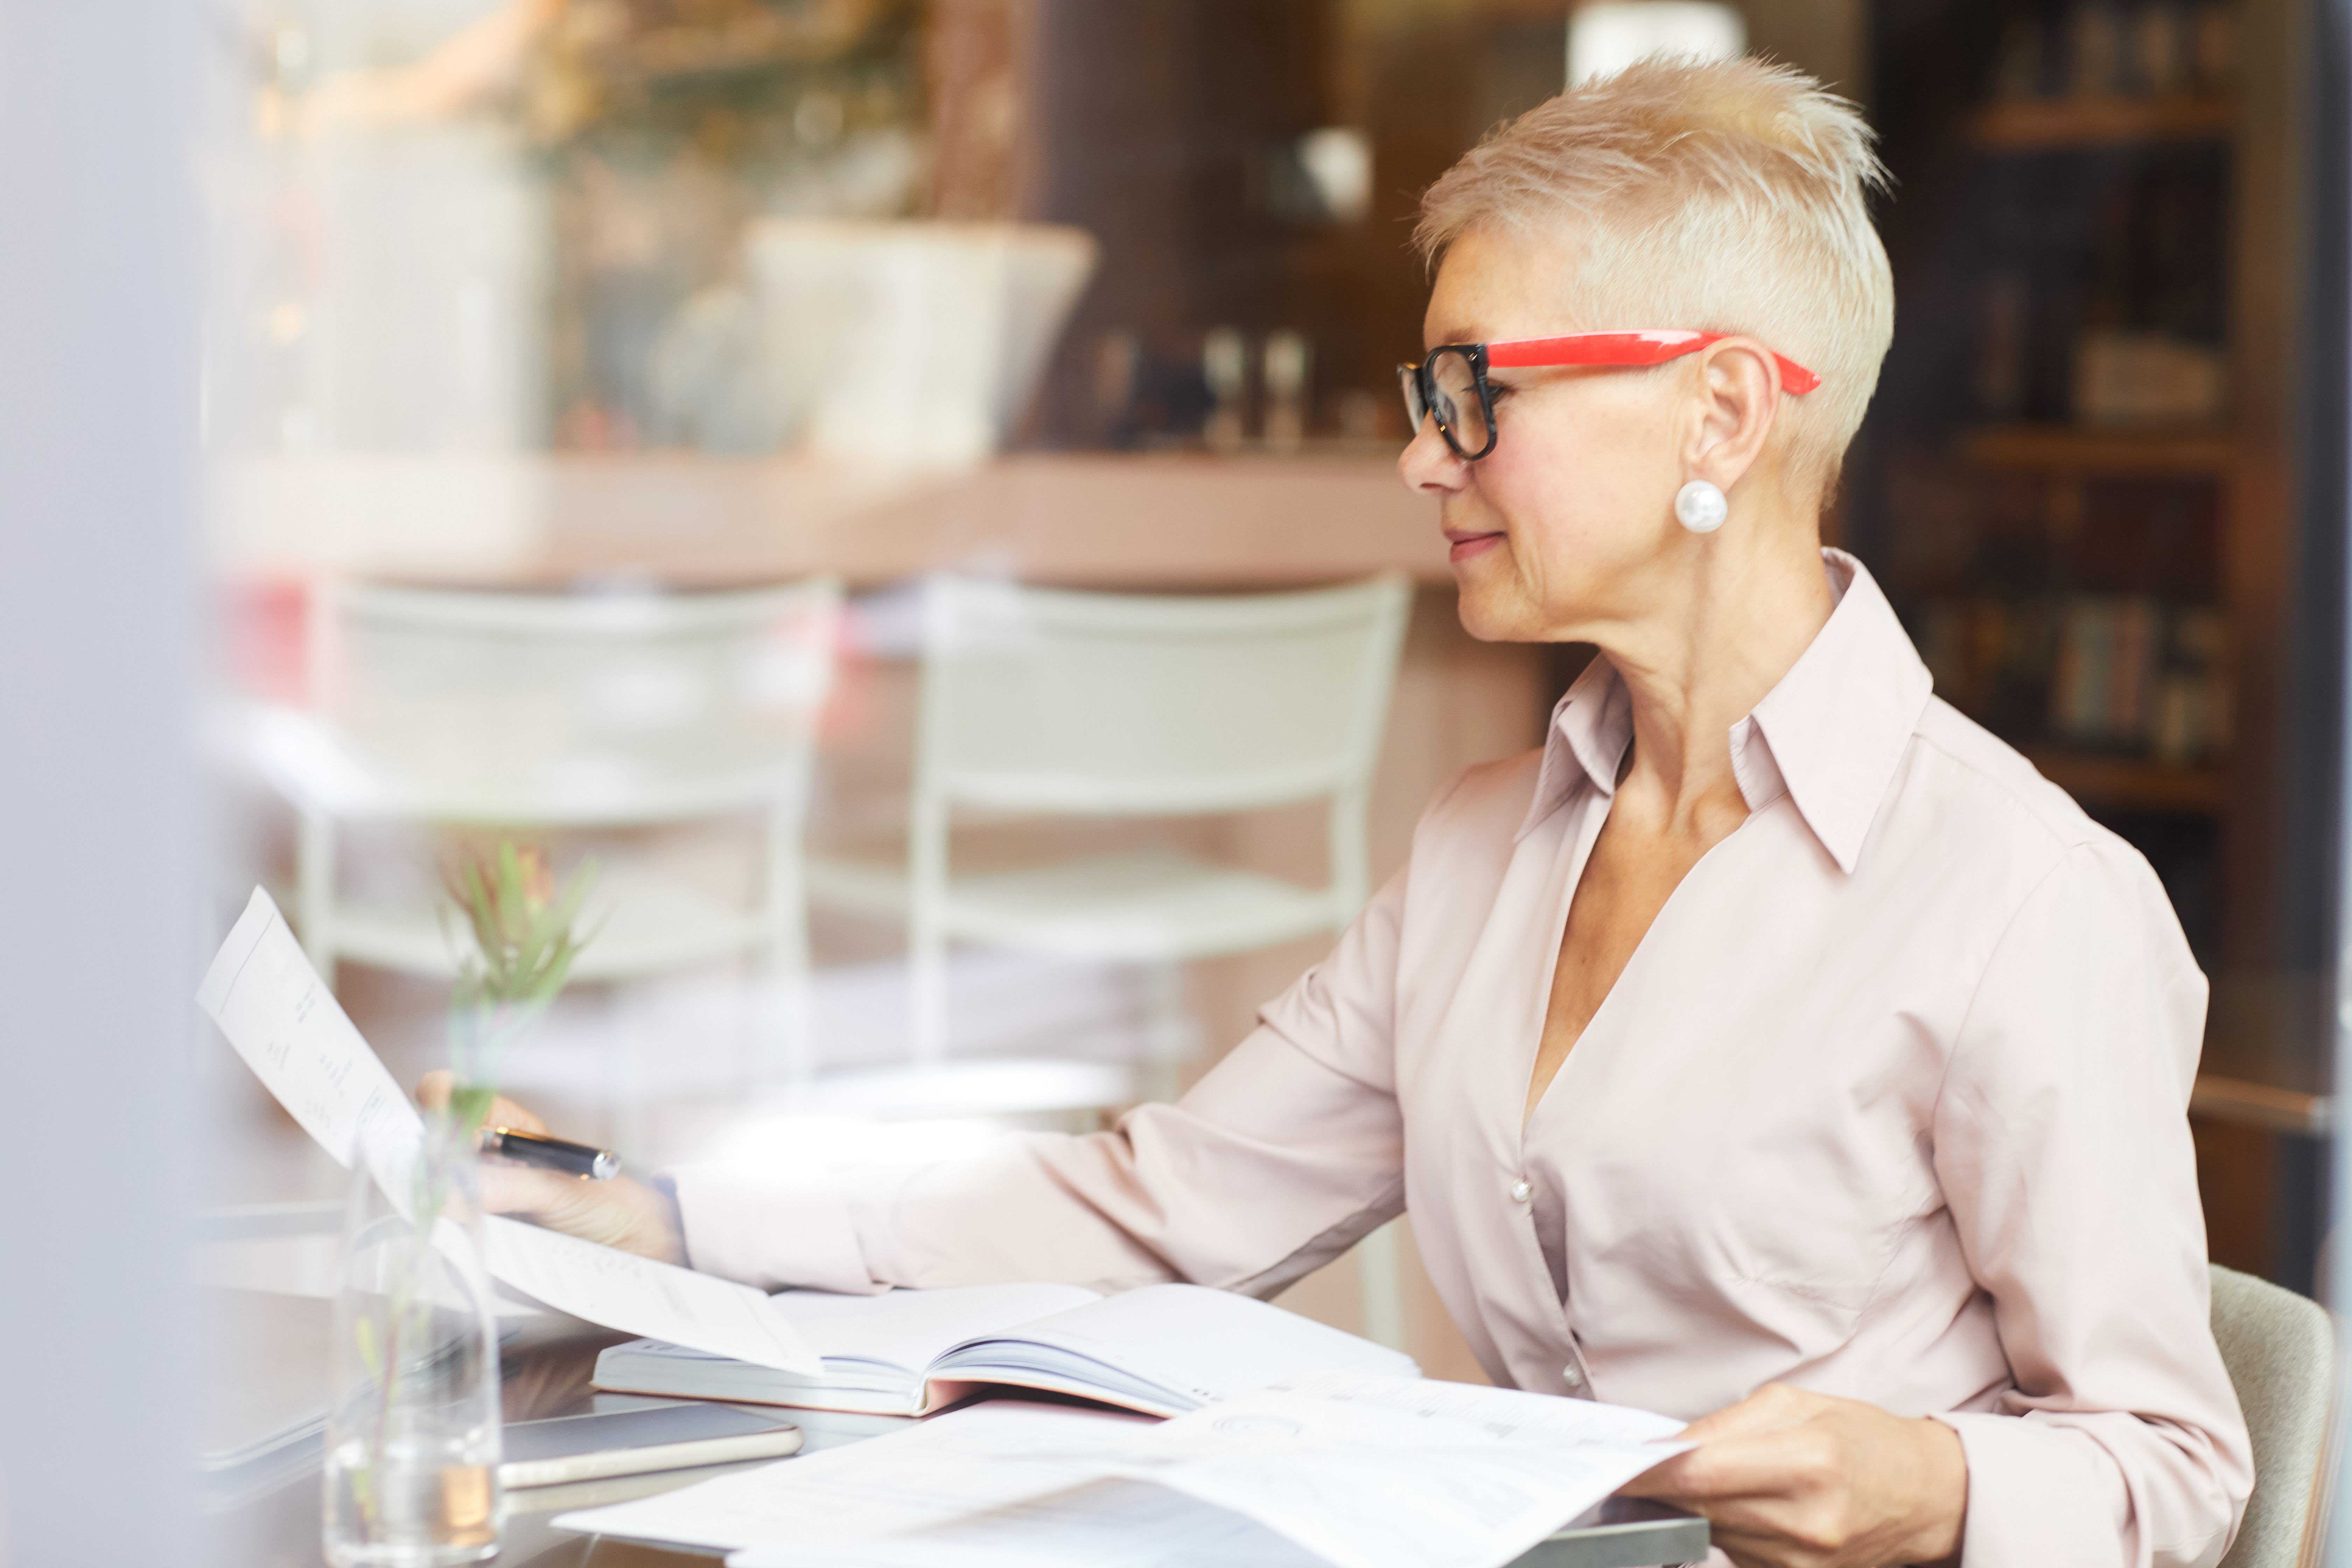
(1427, 464)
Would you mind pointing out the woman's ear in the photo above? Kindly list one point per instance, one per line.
(1739, 400)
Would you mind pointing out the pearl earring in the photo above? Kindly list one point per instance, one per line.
(1701, 506)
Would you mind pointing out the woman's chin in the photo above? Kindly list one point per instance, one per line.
(1490, 614)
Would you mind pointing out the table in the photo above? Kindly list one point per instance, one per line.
(1136, 521)
(547, 1373)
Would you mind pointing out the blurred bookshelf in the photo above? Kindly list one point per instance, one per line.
(2064, 449)
(2100, 122)
(2131, 784)
(2078, 483)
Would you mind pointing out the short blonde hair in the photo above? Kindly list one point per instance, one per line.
(1729, 197)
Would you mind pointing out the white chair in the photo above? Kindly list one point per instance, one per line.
(1040, 702)
(2280, 1348)
(550, 713)
(1046, 703)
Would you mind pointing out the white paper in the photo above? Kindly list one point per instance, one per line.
(1004, 1484)
(290, 1030)
(1363, 1472)
(286, 1025)
(1102, 1524)
(1377, 1472)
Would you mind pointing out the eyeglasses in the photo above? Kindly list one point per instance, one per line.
(1451, 384)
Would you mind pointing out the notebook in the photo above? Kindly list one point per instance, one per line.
(566, 1448)
(1163, 1350)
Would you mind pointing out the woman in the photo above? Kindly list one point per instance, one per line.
(1774, 1042)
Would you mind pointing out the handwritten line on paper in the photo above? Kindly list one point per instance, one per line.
(286, 1023)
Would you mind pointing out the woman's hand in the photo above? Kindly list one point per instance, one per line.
(1793, 1480)
(623, 1214)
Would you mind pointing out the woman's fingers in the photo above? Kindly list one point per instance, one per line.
(1726, 1462)
(1758, 1465)
(1774, 1407)
(522, 1190)
(1845, 1483)
(433, 1093)
(621, 1214)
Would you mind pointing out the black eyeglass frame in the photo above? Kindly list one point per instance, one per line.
(1419, 384)
(1627, 350)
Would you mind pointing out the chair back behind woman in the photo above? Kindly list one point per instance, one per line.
(578, 710)
(2280, 1348)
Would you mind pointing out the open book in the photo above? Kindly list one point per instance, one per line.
(1163, 1350)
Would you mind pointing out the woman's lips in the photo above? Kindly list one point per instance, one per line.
(1462, 545)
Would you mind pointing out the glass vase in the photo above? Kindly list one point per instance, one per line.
(412, 1472)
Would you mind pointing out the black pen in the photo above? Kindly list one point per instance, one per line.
(550, 1153)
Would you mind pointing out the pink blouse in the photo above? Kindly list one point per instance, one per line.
(1889, 1104)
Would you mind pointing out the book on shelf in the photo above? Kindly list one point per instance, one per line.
(1163, 1350)
(2095, 51)
(2103, 672)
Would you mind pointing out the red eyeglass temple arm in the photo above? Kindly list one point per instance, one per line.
(1628, 349)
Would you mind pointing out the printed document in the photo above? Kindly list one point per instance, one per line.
(1380, 1472)
(1355, 1470)
(1001, 1485)
(286, 1025)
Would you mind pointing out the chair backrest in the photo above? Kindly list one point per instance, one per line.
(1114, 704)
(2280, 1348)
(576, 710)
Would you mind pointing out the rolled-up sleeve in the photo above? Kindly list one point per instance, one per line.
(1281, 1158)
(2061, 1143)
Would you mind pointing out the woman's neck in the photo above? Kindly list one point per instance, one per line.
(1748, 604)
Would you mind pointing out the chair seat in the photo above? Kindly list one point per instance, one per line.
(1140, 906)
(638, 928)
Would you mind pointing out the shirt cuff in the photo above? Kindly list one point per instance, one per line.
(2039, 1495)
(769, 1231)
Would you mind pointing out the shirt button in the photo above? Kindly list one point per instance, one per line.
(1522, 1192)
(1571, 1376)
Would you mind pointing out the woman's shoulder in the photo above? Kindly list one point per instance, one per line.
(1986, 790)
(1486, 799)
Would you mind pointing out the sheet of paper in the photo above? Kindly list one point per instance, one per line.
(1102, 1524)
(1378, 1472)
(639, 1296)
(1362, 1472)
(286, 1025)
(1006, 1484)
(290, 1030)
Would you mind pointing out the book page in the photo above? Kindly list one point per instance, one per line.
(1203, 1344)
(286, 1025)
(909, 1328)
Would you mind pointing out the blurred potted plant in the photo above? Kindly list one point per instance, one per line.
(414, 1421)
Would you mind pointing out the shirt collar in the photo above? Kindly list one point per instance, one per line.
(1830, 735)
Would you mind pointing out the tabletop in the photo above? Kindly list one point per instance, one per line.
(547, 1368)
(1134, 522)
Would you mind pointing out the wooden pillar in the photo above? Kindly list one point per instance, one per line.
(978, 63)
